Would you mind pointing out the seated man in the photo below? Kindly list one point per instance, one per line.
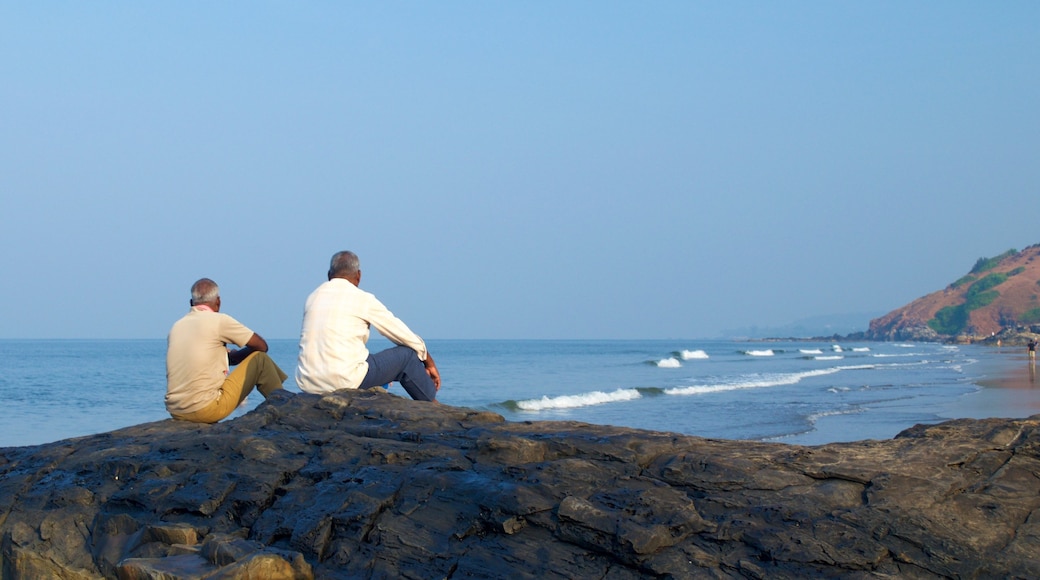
(336, 322)
(198, 386)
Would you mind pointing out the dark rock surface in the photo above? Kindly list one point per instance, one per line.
(370, 485)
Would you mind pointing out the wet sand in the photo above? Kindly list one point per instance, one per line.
(1009, 387)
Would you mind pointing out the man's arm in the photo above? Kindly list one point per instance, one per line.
(391, 327)
(256, 343)
(397, 332)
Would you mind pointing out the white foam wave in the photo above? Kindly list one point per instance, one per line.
(810, 351)
(669, 363)
(859, 367)
(817, 416)
(693, 354)
(892, 365)
(582, 400)
(837, 348)
(829, 357)
(767, 352)
(861, 349)
(755, 382)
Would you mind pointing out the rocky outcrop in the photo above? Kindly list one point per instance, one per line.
(995, 296)
(370, 485)
(903, 330)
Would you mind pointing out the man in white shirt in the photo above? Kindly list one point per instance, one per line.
(333, 351)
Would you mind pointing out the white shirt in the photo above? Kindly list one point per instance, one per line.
(336, 322)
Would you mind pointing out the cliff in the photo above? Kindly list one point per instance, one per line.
(998, 294)
(369, 485)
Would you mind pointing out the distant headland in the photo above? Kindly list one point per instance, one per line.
(997, 300)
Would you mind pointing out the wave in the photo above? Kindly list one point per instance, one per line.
(592, 398)
(837, 348)
(755, 382)
(833, 412)
(692, 354)
(669, 363)
(861, 349)
(810, 351)
(812, 419)
(574, 401)
(767, 352)
(866, 367)
(829, 357)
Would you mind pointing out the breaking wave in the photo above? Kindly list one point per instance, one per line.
(693, 354)
(574, 401)
(592, 398)
(766, 352)
(752, 382)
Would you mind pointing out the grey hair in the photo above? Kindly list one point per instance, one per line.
(344, 263)
(204, 291)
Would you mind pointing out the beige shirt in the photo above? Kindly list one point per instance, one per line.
(336, 322)
(197, 358)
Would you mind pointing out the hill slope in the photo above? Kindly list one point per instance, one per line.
(997, 294)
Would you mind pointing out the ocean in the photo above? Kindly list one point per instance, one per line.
(794, 391)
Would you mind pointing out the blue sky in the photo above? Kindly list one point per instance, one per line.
(509, 170)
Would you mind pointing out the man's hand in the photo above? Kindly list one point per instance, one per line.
(256, 344)
(431, 369)
(237, 356)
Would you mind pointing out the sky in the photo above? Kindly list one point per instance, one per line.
(530, 170)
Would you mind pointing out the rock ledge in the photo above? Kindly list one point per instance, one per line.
(364, 484)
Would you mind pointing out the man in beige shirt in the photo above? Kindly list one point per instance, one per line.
(199, 386)
(333, 351)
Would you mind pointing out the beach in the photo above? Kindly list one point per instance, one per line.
(1008, 387)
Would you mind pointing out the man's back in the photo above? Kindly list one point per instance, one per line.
(336, 323)
(196, 357)
(332, 341)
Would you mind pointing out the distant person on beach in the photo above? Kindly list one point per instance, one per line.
(333, 351)
(199, 384)
(1032, 348)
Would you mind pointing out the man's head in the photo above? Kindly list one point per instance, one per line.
(345, 265)
(205, 291)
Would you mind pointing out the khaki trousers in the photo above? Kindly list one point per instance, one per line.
(256, 370)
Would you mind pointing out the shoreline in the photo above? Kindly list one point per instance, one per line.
(1008, 387)
(1011, 369)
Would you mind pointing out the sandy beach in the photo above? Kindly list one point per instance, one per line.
(1009, 387)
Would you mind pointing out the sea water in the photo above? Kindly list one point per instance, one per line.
(794, 392)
